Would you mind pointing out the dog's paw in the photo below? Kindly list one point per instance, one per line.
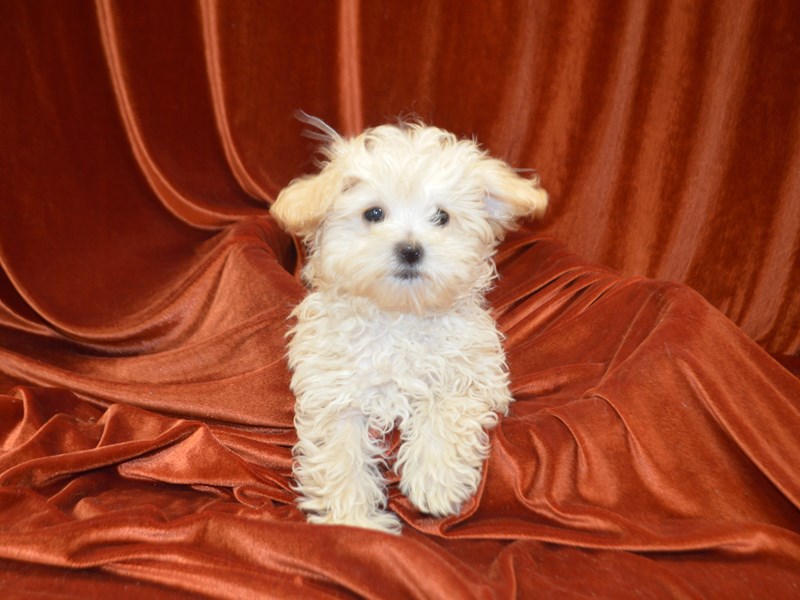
(440, 490)
(379, 521)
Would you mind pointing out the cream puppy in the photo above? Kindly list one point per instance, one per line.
(400, 225)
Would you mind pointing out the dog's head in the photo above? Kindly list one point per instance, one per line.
(408, 216)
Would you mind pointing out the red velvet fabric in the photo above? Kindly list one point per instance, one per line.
(145, 415)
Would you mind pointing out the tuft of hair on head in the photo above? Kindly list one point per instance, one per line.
(301, 206)
(321, 132)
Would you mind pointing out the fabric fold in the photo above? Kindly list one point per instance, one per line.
(146, 420)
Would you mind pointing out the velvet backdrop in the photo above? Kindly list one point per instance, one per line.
(146, 419)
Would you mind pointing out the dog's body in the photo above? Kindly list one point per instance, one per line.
(401, 226)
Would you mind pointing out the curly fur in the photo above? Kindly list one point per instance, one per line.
(383, 341)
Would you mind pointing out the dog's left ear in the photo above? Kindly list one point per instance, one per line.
(302, 205)
(508, 195)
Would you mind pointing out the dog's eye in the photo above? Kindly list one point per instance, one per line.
(374, 214)
(441, 218)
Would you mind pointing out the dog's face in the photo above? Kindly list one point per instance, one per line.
(408, 216)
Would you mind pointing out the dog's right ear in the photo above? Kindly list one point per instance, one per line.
(509, 196)
(302, 205)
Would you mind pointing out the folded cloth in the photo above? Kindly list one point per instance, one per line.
(652, 450)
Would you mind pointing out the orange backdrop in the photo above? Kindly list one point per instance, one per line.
(145, 421)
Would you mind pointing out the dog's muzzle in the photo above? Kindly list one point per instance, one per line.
(408, 256)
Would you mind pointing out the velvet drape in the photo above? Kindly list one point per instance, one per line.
(145, 415)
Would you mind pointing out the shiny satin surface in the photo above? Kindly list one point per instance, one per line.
(145, 415)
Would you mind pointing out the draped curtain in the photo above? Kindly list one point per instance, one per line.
(145, 421)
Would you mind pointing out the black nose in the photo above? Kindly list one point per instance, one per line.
(410, 254)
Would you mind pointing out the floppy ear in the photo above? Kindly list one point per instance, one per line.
(302, 205)
(510, 196)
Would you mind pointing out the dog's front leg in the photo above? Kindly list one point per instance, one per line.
(443, 450)
(337, 468)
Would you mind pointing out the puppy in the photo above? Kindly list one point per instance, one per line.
(400, 225)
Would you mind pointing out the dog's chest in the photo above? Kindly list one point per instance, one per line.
(387, 359)
(388, 365)
(399, 361)
(405, 351)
